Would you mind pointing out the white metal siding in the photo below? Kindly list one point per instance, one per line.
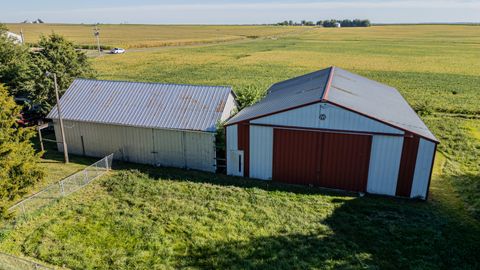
(232, 145)
(230, 106)
(168, 148)
(336, 118)
(261, 152)
(200, 149)
(195, 150)
(423, 165)
(384, 164)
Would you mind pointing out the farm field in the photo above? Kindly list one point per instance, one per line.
(169, 218)
(144, 36)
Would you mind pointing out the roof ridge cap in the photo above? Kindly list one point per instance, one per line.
(328, 85)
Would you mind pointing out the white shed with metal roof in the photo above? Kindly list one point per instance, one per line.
(335, 129)
(151, 123)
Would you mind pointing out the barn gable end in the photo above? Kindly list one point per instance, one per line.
(320, 130)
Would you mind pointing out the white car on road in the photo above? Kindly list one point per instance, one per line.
(117, 51)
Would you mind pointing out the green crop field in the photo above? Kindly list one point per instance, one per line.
(169, 218)
(142, 36)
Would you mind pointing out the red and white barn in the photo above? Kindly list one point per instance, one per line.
(333, 129)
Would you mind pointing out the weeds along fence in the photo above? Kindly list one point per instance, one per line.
(9, 262)
(25, 208)
(28, 206)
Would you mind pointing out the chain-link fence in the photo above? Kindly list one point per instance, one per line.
(9, 262)
(26, 207)
(30, 205)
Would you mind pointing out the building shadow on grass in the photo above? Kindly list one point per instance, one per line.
(364, 233)
(176, 174)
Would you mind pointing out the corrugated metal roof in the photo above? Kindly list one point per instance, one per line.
(287, 94)
(376, 100)
(150, 105)
(342, 88)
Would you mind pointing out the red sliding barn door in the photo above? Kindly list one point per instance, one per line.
(331, 160)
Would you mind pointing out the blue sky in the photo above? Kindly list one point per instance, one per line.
(238, 12)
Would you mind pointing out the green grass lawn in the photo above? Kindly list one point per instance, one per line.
(169, 218)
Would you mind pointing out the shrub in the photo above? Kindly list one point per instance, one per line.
(19, 167)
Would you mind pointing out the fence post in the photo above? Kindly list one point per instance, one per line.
(106, 163)
(23, 211)
(61, 188)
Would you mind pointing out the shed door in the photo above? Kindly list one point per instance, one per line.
(329, 160)
(407, 165)
(236, 162)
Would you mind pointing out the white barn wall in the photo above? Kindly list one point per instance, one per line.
(336, 118)
(261, 152)
(200, 149)
(230, 106)
(232, 145)
(421, 177)
(384, 164)
(195, 150)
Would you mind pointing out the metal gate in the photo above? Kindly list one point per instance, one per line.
(332, 160)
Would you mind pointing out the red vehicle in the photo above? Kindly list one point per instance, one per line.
(30, 115)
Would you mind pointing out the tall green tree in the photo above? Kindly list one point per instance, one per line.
(15, 65)
(19, 164)
(57, 55)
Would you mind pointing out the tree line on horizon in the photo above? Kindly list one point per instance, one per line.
(329, 23)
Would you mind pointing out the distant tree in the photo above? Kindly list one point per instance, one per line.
(290, 22)
(309, 23)
(57, 55)
(19, 164)
(319, 23)
(330, 23)
(3, 29)
(346, 23)
(303, 22)
(15, 65)
(366, 23)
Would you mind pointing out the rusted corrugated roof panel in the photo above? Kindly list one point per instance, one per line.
(150, 105)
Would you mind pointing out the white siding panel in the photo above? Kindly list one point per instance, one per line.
(423, 165)
(232, 137)
(384, 164)
(336, 118)
(200, 150)
(232, 145)
(169, 149)
(230, 106)
(194, 150)
(261, 152)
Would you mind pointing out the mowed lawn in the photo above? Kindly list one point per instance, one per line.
(144, 36)
(157, 218)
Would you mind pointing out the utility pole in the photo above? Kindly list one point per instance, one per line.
(96, 32)
(21, 34)
(62, 131)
